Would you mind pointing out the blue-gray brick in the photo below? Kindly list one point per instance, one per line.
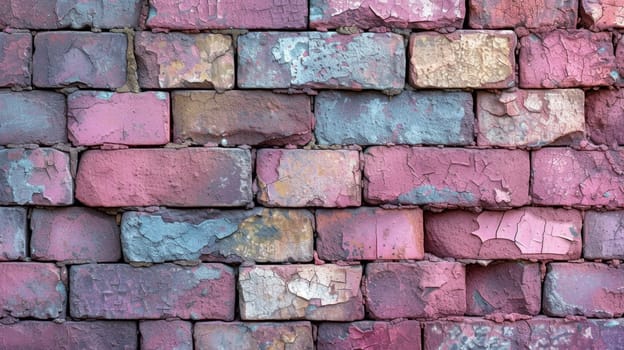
(32, 117)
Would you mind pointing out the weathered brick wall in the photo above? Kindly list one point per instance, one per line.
(301, 174)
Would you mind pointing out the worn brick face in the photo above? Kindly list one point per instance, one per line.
(529, 14)
(253, 335)
(602, 14)
(398, 335)
(603, 111)
(12, 233)
(15, 58)
(603, 235)
(166, 335)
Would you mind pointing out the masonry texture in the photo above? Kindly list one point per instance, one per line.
(312, 174)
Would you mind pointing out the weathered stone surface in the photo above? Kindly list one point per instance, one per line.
(602, 14)
(15, 58)
(420, 289)
(31, 290)
(143, 177)
(525, 233)
(256, 335)
(369, 234)
(303, 178)
(32, 117)
(422, 14)
(219, 14)
(242, 117)
(39, 176)
(603, 111)
(588, 289)
(575, 335)
(178, 60)
(321, 60)
(12, 233)
(374, 335)
(98, 117)
(566, 58)
(603, 235)
(529, 14)
(166, 335)
(446, 177)
(288, 292)
(462, 59)
(119, 291)
(475, 333)
(259, 235)
(96, 60)
(74, 234)
(368, 118)
(530, 117)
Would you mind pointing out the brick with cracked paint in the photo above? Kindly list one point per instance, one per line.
(369, 118)
(120, 291)
(396, 335)
(12, 233)
(290, 292)
(603, 111)
(254, 335)
(321, 60)
(496, 14)
(482, 59)
(603, 235)
(166, 335)
(531, 118)
(602, 14)
(38, 176)
(15, 59)
(258, 235)
(32, 117)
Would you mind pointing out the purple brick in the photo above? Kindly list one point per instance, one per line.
(15, 58)
(374, 335)
(256, 335)
(32, 117)
(166, 335)
(498, 14)
(603, 111)
(12, 233)
(603, 235)
(602, 14)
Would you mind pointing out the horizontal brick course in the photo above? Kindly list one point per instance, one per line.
(397, 335)
(15, 58)
(534, 14)
(13, 228)
(253, 335)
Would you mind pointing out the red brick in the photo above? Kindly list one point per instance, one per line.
(446, 177)
(74, 234)
(98, 117)
(116, 291)
(602, 14)
(563, 176)
(572, 58)
(136, 177)
(15, 58)
(603, 235)
(96, 60)
(603, 111)
(166, 335)
(529, 14)
(256, 335)
(242, 117)
(31, 290)
(12, 233)
(369, 234)
(421, 289)
(525, 233)
(300, 178)
(374, 335)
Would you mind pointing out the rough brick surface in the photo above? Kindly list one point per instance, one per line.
(421, 289)
(166, 335)
(375, 335)
(300, 178)
(259, 235)
(525, 233)
(116, 291)
(530, 117)
(369, 234)
(98, 117)
(446, 177)
(217, 14)
(32, 117)
(603, 111)
(602, 14)
(368, 118)
(619, 62)
(321, 60)
(96, 60)
(603, 235)
(142, 177)
(242, 117)
(462, 59)
(39, 176)
(15, 58)
(560, 59)
(256, 335)
(74, 234)
(12, 233)
(423, 14)
(289, 292)
(528, 14)
(178, 60)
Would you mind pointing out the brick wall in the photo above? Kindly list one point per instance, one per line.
(322, 174)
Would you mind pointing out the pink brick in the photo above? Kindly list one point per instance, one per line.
(166, 335)
(525, 233)
(560, 59)
(507, 287)
(422, 14)
(256, 335)
(534, 14)
(15, 59)
(588, 289)
(12, 233)
(137, 177)
(378, 335)
(369, 234)
(563, 176)
(98, 117)
(446, 177)
(421, 289)
(119, 291)
(603, 111)
(602, 14)
(619, 61)
(74, 234)
(603, 235)
(31, 290)
(300, 178)
(291, 292)
(217, 14)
